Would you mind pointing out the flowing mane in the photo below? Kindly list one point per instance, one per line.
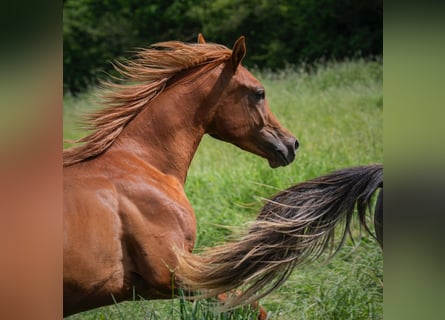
(143, 78)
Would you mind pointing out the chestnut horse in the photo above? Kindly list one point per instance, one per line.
(125, 210)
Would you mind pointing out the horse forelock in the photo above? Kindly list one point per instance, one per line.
(142, 79)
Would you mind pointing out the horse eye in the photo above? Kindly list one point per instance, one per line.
(260, 94)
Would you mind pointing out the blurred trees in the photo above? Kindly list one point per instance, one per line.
(277, 31)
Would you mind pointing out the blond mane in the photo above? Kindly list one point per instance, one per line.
(143, 78)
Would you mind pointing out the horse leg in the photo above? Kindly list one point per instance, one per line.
(262, 313)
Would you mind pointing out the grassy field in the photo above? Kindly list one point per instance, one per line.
(336, 111)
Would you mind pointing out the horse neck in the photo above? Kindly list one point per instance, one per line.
(166, 134)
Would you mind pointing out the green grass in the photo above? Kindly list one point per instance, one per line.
(336, 111)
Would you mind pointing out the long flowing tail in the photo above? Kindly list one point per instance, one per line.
(297, 225)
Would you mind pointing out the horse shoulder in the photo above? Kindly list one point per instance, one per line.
(156, 217)
(154, 208)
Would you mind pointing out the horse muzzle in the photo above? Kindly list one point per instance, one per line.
(282, 152)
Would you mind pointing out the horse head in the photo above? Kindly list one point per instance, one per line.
(243, 116)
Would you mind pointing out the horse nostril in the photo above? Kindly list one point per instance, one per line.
(297, 144)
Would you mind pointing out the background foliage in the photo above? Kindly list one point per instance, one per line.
(278, 32)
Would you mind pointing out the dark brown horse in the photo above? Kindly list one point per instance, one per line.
(297, 225)
(125, 209)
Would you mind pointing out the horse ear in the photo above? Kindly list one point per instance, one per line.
(238, 52)
(201, 38)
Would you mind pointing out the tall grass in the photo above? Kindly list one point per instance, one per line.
(336, 112)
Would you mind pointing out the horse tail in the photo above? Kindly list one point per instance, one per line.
(296, 225)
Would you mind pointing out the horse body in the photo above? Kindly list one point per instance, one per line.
(125, 209)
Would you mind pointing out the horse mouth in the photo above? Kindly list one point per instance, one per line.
(281, 157)
(276, 162)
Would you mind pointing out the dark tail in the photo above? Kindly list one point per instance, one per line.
(297, 225)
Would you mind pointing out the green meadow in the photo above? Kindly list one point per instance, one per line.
(336, 112)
